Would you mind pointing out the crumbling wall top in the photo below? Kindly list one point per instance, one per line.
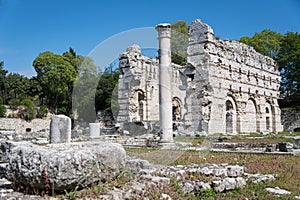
(200, 27)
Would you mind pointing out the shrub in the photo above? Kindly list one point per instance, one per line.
(14, 103)
(2, 111)
(42, 112)
(26, 110)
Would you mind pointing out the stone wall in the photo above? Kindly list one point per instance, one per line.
(226, 86)
(19, 126)
(238, 87)
(138, 88)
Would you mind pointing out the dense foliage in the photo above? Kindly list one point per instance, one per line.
(58, 79)
(179, 42)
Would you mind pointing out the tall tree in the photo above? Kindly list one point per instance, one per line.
(3, 82)
(17, 86)
(289, 63)
(179, 42)
(266, 42)
(56, 75)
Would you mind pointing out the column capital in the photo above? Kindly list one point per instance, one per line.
(164, 30)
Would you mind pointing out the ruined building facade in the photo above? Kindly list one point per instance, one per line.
(226, 87)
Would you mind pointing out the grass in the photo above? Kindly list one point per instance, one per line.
(285, 167)
(269, 139)
(195, 141)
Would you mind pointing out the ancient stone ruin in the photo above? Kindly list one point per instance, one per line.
(226, 87)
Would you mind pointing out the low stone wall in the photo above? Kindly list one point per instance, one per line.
(21, 126)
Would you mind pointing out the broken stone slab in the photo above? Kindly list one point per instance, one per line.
(235, 170)
(202, 186)
(60, 129)
(187, 188)
(259, 178)
(228, 184)
(277, 190)
(63, 166)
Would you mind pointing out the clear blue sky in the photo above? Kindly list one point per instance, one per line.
(29, 27)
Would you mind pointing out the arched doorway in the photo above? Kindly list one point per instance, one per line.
(268, 119)
(229, 117)
(176, 109)
(141, 98)
(251, 118)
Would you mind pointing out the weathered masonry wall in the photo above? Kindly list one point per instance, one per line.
(226, 86)
(20, 125)
(240, 86)
(138, 88)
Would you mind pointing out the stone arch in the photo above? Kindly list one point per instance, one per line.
(270, 117)
(230, 115)
(176, 109)
(251, 118)
(141, 104)
(137, 104)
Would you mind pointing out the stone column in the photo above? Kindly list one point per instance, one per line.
(165, 83)
(60, 129)
(94, 130)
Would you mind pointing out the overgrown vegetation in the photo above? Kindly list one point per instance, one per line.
(283, 166)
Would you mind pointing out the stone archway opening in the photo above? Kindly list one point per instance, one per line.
(176, 109)
(268, 119)
(176, 112)
(229, 117)
(141, 98)
(251, 124)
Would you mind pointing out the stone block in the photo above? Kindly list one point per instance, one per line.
(94, 130)
(63, 166)
(60, 129)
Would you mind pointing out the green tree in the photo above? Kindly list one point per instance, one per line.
(42, 112)
(17, 86)
(289, 64)
(105, 88)
(56, 75)
(3, 81)
(2, 108)
(179, 42)
(266, 42)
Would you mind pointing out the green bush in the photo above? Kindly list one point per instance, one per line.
(26, 110)
(14, 103)
(2, 111)
(42, 112)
